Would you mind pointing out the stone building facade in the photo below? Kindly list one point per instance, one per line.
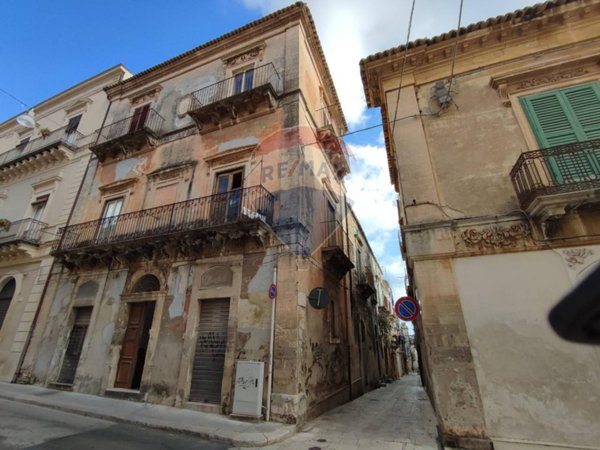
(41, 169)
(497, 168)
(215, 174)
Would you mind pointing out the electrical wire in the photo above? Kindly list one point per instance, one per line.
(456, 44)
(412, 10)
(21, 102)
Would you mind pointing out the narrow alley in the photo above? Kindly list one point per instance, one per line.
(398, 416)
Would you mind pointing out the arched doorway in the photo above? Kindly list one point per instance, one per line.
(6, 294)
(137, 335)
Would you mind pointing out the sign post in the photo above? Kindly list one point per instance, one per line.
(272, 296)
(407, 309)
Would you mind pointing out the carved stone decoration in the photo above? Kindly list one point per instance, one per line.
(217, 276)
(551, 78)
(576, 256)
(495, 236)
(146, 96)
(541, 75)
(248, 55)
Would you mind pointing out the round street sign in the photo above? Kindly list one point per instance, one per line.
(319, 298)
(406, 308)
(272, 292)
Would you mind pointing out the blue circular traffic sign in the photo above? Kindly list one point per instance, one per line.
(272, 292)
(406, 308)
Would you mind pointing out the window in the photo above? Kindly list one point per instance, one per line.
(38, 207)
(110, 218)
(75, 345)
(227, 202)
(6, 295)
(325, 119)
(71, 129)
(331, 226)
(35, 225)
(243, 81)
(566, 116)
(138, 121)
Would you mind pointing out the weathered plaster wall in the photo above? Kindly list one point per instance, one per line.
(455, 385)
(531, 380)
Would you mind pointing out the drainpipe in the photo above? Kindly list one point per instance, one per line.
(271, 345)
(348, 304)
(47, 283)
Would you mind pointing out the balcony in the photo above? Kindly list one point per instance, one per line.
(337, 249)
(38, 153)
(130, 134)
(226, 102)
(551, 181)
(178, 228)
(21, 238)
(365, 282)
(335, 149)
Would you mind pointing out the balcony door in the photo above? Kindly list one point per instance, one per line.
(243, 81)
(34, 226)
(110, 218)
(567, 116)
(228, 199)
(71, 130)
(138, 121)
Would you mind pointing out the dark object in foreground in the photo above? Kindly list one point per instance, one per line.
(576, 317)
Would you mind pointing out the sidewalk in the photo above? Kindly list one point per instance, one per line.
(397, 416)
(208, 426)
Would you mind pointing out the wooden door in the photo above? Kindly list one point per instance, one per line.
(131, 345)
(209, 358)
(139, 118)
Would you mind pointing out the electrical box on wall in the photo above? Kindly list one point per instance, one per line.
(247, 399)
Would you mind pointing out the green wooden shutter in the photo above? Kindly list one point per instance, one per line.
(584, 103)
(565, 116)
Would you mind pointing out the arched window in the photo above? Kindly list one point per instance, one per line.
(148, 283)
(6, 295)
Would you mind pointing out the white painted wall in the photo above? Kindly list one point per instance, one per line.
(532, 382)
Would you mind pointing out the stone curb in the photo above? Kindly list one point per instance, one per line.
(235, 438)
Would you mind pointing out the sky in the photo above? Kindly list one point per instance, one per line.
(47, 46)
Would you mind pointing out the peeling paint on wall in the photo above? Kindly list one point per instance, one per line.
(107, 333)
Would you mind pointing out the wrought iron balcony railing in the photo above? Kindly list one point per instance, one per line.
(25, 230)
(265, 75)
(556, 170)
(337, 248)
(234, 207)
(148, 121)
(61, 136)
(336, 237)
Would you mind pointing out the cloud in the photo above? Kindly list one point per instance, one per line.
(369, 190)
(353, 29)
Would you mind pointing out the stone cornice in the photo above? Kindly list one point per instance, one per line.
(221, 48)
(482, 39)
(118, 186)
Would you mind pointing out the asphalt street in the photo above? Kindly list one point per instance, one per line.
(33, 427)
